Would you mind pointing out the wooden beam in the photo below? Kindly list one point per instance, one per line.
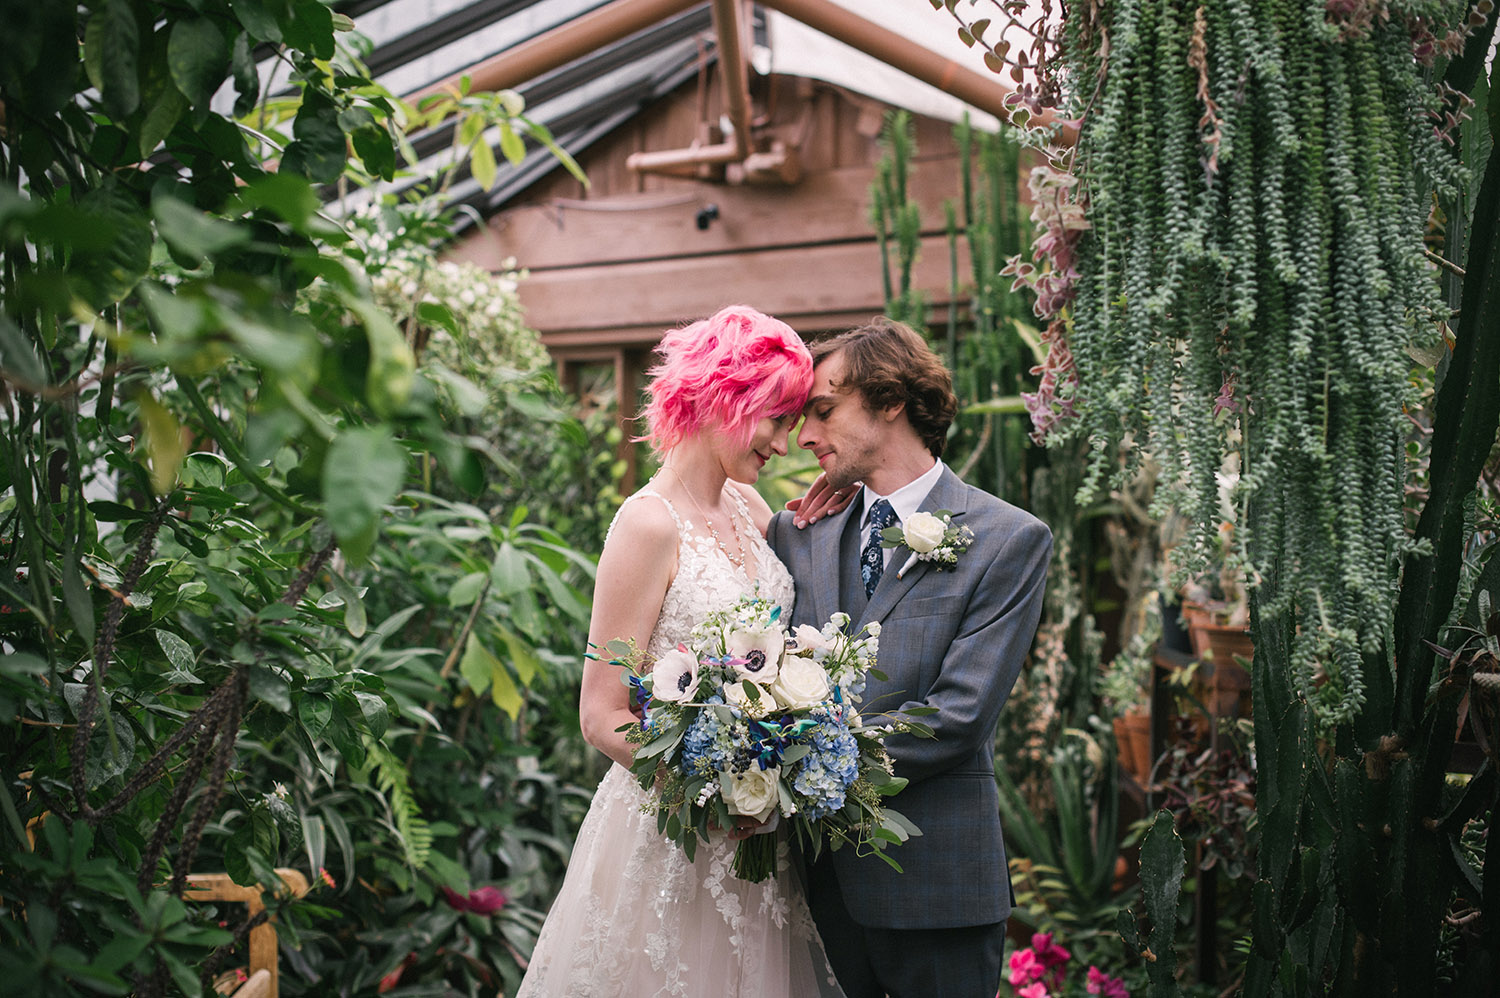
(827, 206)
(657, 294)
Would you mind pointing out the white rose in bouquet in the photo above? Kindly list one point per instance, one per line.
(801, 683)
(758, 653)
(810, 639)
(674, 677)
(924, 532)
(753, 793)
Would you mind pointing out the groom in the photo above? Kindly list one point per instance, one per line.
(951, 638)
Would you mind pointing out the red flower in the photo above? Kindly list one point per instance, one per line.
(1037, 990)
(1025, 968)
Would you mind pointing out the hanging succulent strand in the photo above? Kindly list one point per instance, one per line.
(1259, 174)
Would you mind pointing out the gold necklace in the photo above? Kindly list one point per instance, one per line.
(736, 561)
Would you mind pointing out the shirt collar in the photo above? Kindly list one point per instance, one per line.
(907, 498)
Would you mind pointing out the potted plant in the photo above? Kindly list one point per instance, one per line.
(1125, 688)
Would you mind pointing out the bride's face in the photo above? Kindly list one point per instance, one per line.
(743, 463)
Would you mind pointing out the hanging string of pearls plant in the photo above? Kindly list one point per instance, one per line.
(1244, 310)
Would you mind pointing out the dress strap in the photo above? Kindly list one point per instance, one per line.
(647, 491)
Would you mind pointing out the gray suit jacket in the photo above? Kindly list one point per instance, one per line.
(952, 639)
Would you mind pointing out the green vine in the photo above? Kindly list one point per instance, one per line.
(1260, 175)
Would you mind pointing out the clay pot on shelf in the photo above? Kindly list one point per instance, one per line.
(1133, 736)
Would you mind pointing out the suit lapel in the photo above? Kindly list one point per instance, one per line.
(827, 582)
(949, 493)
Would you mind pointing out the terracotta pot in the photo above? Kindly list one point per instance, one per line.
(1133, 735)
(1224, 650)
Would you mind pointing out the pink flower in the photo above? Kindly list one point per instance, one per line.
(1053, 957)
(1025, 968)
(1037, 990)
(1102, 984)
(481, 901)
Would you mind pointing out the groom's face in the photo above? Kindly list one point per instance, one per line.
(842, 431)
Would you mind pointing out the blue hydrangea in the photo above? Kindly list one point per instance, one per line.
(705, 744)
(825, 774)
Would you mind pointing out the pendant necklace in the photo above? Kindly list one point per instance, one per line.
(737, 562)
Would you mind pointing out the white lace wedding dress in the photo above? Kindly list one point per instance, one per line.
(634, 917)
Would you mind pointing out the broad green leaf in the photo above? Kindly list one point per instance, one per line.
(76, 596)
(377, 716)
(318, 145)
(315, 712)
(355, 620)
(164, 447)
(510, 573)
(375, 149)
(259, 18)
(362, 473)
(19, 356)
(522, 655)
(111, 53)
(192, 232)
(467, 589)
(392, 370)
(180, 654)
(246, 77)
(482, 163)
(477, 665)
(122, 235)
(286, 194)
(161, 117)
(310, 29)
(197, 58)
(511, 144)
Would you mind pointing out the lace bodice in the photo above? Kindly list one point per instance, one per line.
(707, 580)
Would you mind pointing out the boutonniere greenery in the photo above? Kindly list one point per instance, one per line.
(930, 537)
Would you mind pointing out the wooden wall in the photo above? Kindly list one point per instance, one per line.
(613, 265)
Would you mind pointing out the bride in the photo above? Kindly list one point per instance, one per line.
(634, 916)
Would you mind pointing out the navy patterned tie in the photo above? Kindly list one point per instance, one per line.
(872, 558)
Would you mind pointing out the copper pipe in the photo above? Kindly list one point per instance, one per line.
(560, 46)
(736, 77)
(974, 89)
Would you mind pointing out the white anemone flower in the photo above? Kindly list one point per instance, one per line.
(674, 677)
(759, 653)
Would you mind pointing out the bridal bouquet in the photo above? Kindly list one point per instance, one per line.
(746, 720)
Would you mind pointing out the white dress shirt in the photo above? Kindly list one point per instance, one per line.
(905, 501)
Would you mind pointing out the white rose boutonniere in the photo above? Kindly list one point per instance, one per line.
(929, 537)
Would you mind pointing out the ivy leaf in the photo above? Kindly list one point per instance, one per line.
(361, 475)
(198, 58)
(111, 53)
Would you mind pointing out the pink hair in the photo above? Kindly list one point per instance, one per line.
(729, 370)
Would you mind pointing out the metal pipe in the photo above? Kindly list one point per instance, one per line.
(733, 70)
(974, 89)
(560, 46)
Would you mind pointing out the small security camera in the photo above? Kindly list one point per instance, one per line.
(705, 215)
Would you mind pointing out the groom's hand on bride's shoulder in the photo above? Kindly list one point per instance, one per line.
(821, 500)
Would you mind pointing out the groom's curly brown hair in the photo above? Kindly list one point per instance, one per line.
(890, 364)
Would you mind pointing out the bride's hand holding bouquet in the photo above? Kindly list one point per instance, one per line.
(744, 724)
